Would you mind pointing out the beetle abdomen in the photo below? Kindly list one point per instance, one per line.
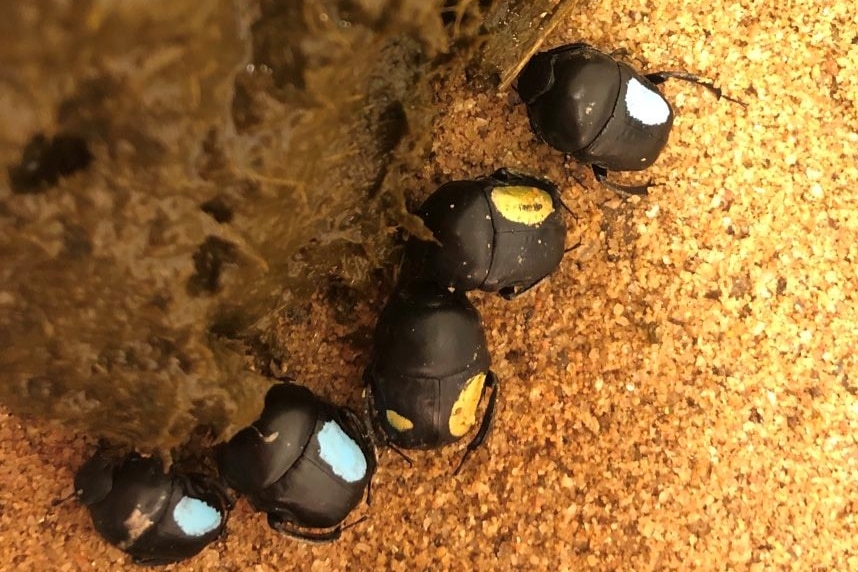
(638, 130)
(156, 517)
(186, 527)
(421, 413)
(407, 409)
(530, 235)
(259, 455)
(324, 485)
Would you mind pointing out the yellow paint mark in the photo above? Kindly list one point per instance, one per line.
(464, 413)
(526, 205)
(398, 422)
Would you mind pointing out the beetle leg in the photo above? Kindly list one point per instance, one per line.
(285, 526)
(601, 175)
(486, 424)
(511, 292)
(573, 247)
(662, 76)
(59, 501)
(153, 560)
(364, 518)
(569, 48)
(371, 414)
(569, 159)
(399, 452)
(566, 208)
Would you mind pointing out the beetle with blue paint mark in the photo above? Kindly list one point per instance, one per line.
(305, 462)
(600, 110)
(156, 517)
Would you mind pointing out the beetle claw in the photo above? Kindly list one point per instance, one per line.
(59, 501)
(601, 175)
(399, 452)
(573, 247)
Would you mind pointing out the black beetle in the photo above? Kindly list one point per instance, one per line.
(600, 110)
(500, 233)
(156, 517)
(305, 462)
(429, 370)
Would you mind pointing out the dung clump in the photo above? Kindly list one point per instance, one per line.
(44, 160)
(236, 155)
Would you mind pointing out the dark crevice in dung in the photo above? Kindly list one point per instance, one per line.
(45, 160)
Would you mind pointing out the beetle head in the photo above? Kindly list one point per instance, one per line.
(536, 78)
(94, 480)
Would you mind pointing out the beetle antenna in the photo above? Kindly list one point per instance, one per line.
(662, 76)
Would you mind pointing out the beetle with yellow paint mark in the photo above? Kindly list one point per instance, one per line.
(501, 233)
(429, 370)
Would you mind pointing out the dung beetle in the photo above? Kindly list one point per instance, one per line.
(156, 517)
(600, 110)
(500, 233)
(305, 462)
(429, 370)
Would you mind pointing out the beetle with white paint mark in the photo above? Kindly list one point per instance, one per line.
(305, 462)
(156, 517)
(600, 110)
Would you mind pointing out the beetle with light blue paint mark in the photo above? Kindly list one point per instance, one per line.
(600, 110)
(156, 517)
(305, 462)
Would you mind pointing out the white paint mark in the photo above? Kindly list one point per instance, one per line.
(646, 105)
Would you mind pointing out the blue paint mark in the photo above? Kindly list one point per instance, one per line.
(195, 517)
(341, 453)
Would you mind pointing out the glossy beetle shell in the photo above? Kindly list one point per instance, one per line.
(304, 461)
(497, 233)
(602, 111)
(156, 517)
(430, 355)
